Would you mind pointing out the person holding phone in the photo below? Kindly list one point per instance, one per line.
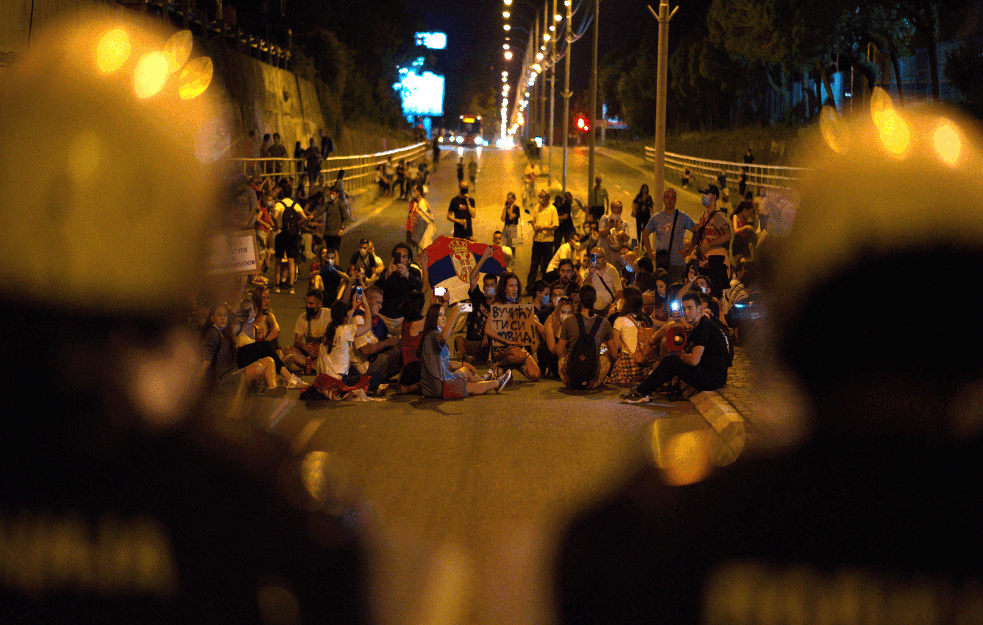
(605, 279)
(437, 377)
(374, 353)
(399, 279)
(460, 212)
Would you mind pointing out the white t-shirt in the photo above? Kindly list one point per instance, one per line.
(612, 279)
(611, 253)
(318, 325)
(358, 361)
(629, 333)
(336, 363)
(564, 251)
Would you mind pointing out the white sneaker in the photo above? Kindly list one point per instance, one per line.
(296, 382)
(489, 376)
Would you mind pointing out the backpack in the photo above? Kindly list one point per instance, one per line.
(290, 221)
(582, 361)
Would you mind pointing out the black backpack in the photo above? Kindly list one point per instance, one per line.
(290, 219)
(582, 361)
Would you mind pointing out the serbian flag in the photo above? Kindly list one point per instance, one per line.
(450, 262)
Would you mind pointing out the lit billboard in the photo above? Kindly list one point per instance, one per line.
(434, 41)
(422, 94)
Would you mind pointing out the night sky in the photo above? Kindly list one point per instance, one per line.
(474, 56)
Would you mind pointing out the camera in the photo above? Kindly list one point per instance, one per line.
(439, 291)
(674, 306)
(358, 292)
(468, 307)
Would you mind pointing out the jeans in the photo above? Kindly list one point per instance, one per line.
(671, 366)
(542, 253)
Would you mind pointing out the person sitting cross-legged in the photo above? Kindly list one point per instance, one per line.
(592, 324)
(704, 364)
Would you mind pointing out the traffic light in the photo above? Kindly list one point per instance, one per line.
(582, 123)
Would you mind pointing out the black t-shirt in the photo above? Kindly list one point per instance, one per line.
(543, 313)
(478, 315)
(715, 351)
(563, 208)
(332, 280)
(395, 288)
(511, 215)
(459, 206)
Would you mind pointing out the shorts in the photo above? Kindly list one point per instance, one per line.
(455, 389)
(286, 244)
(501, 352)
(231, 381)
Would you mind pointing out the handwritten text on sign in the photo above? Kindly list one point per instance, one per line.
(233, 253)
(515, 322)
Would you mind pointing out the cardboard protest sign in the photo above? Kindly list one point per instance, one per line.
(233, 253)
(450, 262)
(516, 322)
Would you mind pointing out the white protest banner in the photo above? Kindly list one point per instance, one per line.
(516, 322)
(233, 253)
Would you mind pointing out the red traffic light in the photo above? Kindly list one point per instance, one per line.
(583, 124)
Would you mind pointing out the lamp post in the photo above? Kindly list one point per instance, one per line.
(552, 90)
(663, 17)
(566, 90)
(593, 101)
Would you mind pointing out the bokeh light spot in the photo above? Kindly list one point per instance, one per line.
(150, 74)
(947, 142)
(113, 50)
(894, 132)
(178, 50)
(84, 154)
(195, 78)
(686, 458)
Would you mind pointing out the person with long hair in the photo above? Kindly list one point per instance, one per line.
(219, 368)
(265, 327)
(437, 378)
(660, 297)
(627, 328)
(510, 221)
(641, 210)
(413, 320)
(420, 228)
(334, 355)
(250, 350)
(506, 353)
(549, 362)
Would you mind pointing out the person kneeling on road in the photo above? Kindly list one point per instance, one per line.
(704, 367)
(575, 359)
(437, 377)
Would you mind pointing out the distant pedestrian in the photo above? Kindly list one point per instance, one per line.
(597, 201)
(436, 153)
(460, 212)
(312, 161)
(327, 145)
(722, 179)
(641, 210)
(277, 151)
(472, 174)
(684, 180)
(510, 221)
(460, 170)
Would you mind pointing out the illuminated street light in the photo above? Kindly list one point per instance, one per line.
(539, 57)
(557, 17)
(508, 55)
(505, 46)
(505, 14)
(507, 27)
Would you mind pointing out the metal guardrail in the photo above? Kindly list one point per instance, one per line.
(359, 169)
(768, 176)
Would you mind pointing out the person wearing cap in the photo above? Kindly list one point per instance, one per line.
(125, 495)
(711, 238)
(544, 222)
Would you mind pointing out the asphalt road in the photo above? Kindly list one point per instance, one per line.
(465, 499)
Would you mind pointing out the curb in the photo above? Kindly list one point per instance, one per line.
(726, 421)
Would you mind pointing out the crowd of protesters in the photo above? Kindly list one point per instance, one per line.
(609, 308)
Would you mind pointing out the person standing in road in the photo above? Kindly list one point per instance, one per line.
(510, 221)
(641, 210)
(710, 241)
(334, 219)
(544, 222)
(460, 212)
(613, 232)
(669, 226)
(564, 212)
(472, 174)
(420, 226)
(460, 170)
(597, 201)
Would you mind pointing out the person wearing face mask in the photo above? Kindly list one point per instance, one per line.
(473, 346)
(460, 212)
(327, 277)
(612, 232)
(334, 218)
(541, 301)
(506, 353)
(219, 369)
(250, 350)
(711, 239)
(549, 362)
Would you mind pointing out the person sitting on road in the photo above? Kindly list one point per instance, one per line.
(629, 367)
(506, 353)
(567, 251)
(375, 353)
(541, 301)
(603, 337)
(219, 368)
(413, 320)
(367, 261)
(334, 352)
(265, 327)
(605, 279)
(308, 332)
(549, 362)
(566, 275)
(250, 350)
(399, 279)
(704, 363)
(437, 378)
